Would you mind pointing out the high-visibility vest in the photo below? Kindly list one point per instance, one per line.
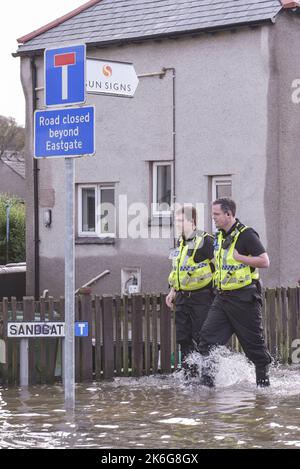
(187, 274)
(229, 273)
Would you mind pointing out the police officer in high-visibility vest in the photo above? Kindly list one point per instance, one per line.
(191, 283)
(238, 255)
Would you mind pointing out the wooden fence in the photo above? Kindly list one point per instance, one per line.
(129, 336)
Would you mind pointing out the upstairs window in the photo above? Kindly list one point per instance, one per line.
(162, 190)
(96, 214)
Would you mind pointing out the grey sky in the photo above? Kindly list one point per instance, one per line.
(18, 19)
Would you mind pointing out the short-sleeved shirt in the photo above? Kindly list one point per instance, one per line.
(248, 242)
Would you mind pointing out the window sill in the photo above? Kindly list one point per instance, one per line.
(164, 220)
(92, 240)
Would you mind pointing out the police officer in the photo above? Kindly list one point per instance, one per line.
(237, 306)
(191, 283)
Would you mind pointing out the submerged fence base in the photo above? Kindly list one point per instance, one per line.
(129, 336)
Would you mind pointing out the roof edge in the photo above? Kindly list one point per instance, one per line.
(58, 21)
(154, 37)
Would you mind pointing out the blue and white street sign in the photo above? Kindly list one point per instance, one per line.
(65, 75)
(81, 329)
(64, 132)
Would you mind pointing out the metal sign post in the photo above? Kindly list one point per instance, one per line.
(69, 350)
(24, 363)
(67, 133)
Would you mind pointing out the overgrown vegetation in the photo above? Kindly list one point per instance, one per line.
(16, 251)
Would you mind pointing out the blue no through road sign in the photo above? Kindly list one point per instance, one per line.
(64, 132)
(81, 329)
(65, 75)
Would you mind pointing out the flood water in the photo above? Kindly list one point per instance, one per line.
(159, 412)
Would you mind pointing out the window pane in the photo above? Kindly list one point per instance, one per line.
(107, 211)
(88, 209)
(223, 189)
(163, 191)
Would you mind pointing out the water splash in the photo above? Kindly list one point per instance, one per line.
(230, 368)
(234, 369)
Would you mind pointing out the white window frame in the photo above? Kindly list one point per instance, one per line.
(81, 232)
(98, 212)
(155, 212)
(97, 233)
(215, 182)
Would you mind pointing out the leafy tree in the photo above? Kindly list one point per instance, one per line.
(16, 245)
(12, 136)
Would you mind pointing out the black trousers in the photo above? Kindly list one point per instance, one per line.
(191, 313)
(238, 312)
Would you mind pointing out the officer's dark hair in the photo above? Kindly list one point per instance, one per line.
(189, 211)
(227, 205)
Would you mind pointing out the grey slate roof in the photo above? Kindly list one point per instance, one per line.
(121, 20)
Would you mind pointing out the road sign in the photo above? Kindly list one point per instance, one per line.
(35, 329)
(81, 329)
(64, 132)
(65, 75)
(113, 78)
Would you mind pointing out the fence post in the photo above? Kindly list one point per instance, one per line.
(137, 335)
(51, 343)
(60, 342)
(279, 328)
(77, 343)
(147, 335)
(293, 313)
(125, 335)
(298, 312)
(16, 346)
(154, 335)
(174, 341)
(27, 359)
(4, 336)
(98, 337)
(165, 335)
(86, 344)
(284, 319)
(43, 355)
(117, 304)
(108, 337)
(272, 321)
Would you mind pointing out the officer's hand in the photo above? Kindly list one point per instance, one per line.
(236, 256)
(170, 298)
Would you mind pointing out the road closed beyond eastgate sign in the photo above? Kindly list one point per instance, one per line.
(64, 132)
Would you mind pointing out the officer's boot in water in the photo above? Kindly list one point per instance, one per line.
(207, 375)
(190, 370)
(262, 376)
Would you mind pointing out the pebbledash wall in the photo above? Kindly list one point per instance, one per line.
(234, 116)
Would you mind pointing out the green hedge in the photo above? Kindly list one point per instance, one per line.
(16, 248)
